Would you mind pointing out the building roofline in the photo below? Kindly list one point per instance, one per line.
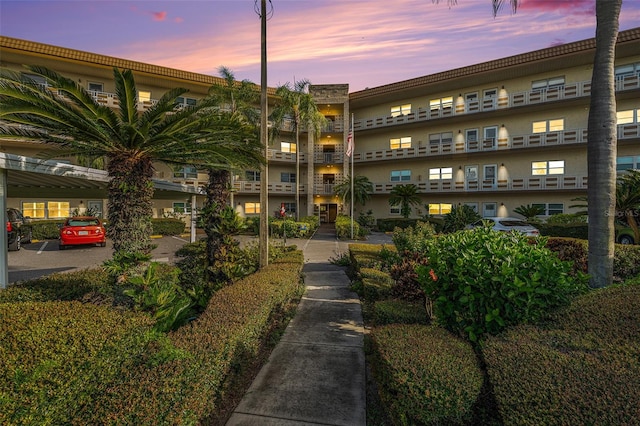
(37, 48)
(497, 64)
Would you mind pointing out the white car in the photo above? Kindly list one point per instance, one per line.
(506, 224)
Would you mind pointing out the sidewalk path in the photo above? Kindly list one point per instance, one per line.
(316, 373)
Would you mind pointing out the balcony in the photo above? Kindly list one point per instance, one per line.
(284, 157)
(532, 97)
(537, 183)
(324, 189)
(328, 158)
(248, 187)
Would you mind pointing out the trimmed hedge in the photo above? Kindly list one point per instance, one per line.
(425, 375)
(132, 377)
(168, 226)
(396, 311)
(583, 367)
(343, 228)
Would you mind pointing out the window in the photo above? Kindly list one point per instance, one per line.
(470, 98)
(626, 163)
(34, 210)
(56, 209)
(549, 209)
(472, 206)
(400, 143)
(441, 173)
(555, 125)
(252, 208)
(288, 177)
(144, 96)
(95, 87)
(439, 208)
(290, 207)
(491, 93)
(182, 207)
(628, 70)
(440, 138)
(38, 79)
(252, 176)
(471, 135)
(400, 110)
(489, 209)
(400, 175)
(186, 172)
(288, 147)
(441, 103)
(491, 134)
(547, 84)
(547, 168)
(627, 117)
(394, 210)
(184, 102)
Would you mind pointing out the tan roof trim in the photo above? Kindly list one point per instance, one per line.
(33, 47)
(537, 55)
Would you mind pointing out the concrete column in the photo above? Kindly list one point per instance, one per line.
(4, 258)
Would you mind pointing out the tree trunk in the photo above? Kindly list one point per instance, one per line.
(130, 203)
(601, 146)
(217, 195)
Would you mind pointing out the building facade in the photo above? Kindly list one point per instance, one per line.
(493, 136)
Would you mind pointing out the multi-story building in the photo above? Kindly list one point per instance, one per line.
(493, 136)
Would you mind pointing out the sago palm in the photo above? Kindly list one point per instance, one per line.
(405, 196)
(362, 190)
(73, 122)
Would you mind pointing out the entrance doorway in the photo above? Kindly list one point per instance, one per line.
(327, 212)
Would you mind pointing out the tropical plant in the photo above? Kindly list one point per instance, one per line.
(405, 195)
(529, 211)
(296, 103)
(239, 99)
(628, 199)
(362, 190)
(74, 122)
(459, 217)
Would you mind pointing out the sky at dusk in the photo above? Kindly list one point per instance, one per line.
(365, 43)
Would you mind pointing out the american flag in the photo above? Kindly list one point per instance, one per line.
(350, 143)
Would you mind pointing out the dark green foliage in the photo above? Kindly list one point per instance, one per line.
(366, 220)
(291, 229)
(388, 225)
(46, 229)
(396, 311)
(570, 249)
(413, 239)
(425, 375)
(626, 262)
(566, 219)
(529, 211)
(581, 367)
(167, 226)
(406, 285)
(459, 217)
(482, 281)
(572, 230)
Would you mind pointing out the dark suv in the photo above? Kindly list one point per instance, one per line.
(18, 232)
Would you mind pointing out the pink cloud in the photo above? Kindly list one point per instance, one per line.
(159, 16)
(583, 7)
(178, 20)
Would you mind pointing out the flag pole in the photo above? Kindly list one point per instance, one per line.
(353, 144)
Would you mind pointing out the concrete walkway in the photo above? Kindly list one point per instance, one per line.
(316, 373)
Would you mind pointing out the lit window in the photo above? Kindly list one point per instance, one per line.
(144, 96)
(400, 143)
(34, 210)
(556, 125)
(400, 110)
(441, 103)
(57, 209)
(547, 167)
(252, 208)
(441, 173)
(625, 117)
(441, 208)
(400, 175)
(288, 147)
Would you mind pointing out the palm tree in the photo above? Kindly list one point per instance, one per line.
(238, 99)
(130, 141)
(628, 200)
(362, 190)
(297, 104)
(405, 196)
(529, 211)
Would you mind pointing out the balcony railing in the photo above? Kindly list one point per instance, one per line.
(487, 185)
(248, 187)
(286, 157)
(532, 97)
(328, 158)
(324, 189)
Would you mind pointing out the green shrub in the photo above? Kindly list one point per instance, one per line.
(413, 239)
(626, 262)
(459, 217)
(566, 219)
(343, 228)
(167, 226)
(396, 311)
(482, 281)
(425, 375)
(570, 230)
(581, 367)
(372, 289)
(570, 249)
(388, 225)
(45, 229)
(406, 285)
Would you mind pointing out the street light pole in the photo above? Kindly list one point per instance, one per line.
(264, 139)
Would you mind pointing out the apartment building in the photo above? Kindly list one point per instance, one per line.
(493, 136)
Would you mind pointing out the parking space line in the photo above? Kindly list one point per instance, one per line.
(178, 238)
(42, 247)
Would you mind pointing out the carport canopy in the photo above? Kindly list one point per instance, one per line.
(22, 176)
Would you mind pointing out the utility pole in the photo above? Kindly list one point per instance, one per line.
(264, 139)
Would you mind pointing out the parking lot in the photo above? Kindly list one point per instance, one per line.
(44, 257)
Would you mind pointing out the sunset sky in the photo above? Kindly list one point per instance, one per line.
(364, 43)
